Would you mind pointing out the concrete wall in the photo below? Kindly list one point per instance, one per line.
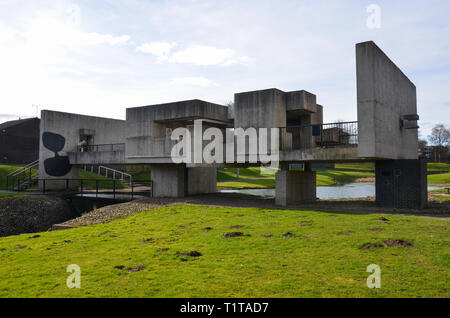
(260, 109)
(168, 180)
(66, 125)
(201, 180)
(148, 128)
(384, 95)
(175, 180)
(293, 187)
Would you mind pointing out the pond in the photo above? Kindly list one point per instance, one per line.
(350, 190)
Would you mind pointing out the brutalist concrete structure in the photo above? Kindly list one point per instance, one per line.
(385, 132)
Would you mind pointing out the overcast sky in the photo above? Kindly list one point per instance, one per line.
(99, 57)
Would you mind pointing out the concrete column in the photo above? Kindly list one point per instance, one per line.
(293, 187)
(401, 184)
(201, 180)
(168, 180)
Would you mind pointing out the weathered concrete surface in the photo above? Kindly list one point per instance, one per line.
(401, 184)
(384, 95)
(149, 128)
(301, 100)
(69, 126)
(201, 180)
(97, 158)
(260, 109)
(168, 180)
(292, 187)
(176, 181)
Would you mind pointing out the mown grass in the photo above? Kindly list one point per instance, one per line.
(439, 178)
(4, 171)
(316, 261)
(434, 166)
(8, 195)
(103, 182)
(342, 174)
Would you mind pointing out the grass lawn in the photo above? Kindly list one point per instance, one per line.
(439, 178)
(434, 166)
(139, 256)
(8, 195)
(342, 174)
(105, 183)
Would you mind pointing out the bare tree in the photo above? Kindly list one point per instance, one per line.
(440, 138)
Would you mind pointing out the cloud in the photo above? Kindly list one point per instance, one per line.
(207, 56)
(159, 49)
(52, 31)
(195, 81)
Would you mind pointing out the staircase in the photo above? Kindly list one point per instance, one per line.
(23, 178)
(111, 173)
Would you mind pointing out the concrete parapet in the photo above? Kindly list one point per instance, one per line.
(293, 187)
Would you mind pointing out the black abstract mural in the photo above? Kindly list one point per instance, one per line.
(56, 166)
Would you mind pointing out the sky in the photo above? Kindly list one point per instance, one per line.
(100, 57)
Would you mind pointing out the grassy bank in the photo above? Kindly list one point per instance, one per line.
(147, 255)
(252, 179)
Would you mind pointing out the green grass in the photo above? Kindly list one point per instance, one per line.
(316, 262)
(142, 177)
(342, 174)
(4, 171)
(262, 183)
(433, 166)
(439, 178)
(244, 173)
(105, 183)
(8, 195)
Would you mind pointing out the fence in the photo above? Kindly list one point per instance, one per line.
(93, 186)
(343, 134)
(101, 148)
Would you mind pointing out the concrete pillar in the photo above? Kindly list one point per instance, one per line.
(401, 184)
(201, 180)
(293, 187)
(168, 180)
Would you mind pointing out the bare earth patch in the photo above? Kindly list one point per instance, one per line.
(370, 245)
(233, 234)
(396, 242)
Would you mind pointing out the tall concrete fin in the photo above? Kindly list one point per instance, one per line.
(387, 106)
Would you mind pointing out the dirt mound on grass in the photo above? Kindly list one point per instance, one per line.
(233, 234)
(30, 214)
(395, 242)
(370, 245)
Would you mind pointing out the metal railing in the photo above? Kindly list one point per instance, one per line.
(23, 176)
(340, 134)
(93, 186)
(110, 173)
(101, 148)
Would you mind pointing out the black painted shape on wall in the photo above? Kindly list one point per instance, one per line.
(57, 166)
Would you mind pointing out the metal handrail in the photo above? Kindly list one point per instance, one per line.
(310, 125)
(328, 135)
(123, 175)
(81, 189)
(96, 148)
(22, 169)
